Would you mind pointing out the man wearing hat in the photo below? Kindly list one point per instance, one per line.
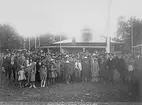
(85, 68)
(67, 71)
(121, 66)
(78, 69)
(138, 75)
(111, 66)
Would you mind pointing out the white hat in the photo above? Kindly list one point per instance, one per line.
(67, 61)
(85, 57)
(52, 60)
(94, 54)
(66, 56)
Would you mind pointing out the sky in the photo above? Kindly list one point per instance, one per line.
(68, 17)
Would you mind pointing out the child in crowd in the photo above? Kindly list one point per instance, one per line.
(32, 76)
(43, 75)
(21, 76)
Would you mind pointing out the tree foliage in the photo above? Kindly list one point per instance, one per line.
(48, 38)
(9, 38)
(45, 39)
(125, 30)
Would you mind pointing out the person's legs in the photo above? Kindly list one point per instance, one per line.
(140, 88)
(76, 74)
(13, 70)
(28, 79)
(6, 72)
(9, 75)
(41, 83)
(34, 84)
(111, 76)
(31, 84)
(67, 78)
(79, 75)
(44, 82)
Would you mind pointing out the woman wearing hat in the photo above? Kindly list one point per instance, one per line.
(94, 69)
(52, 73)
(43, 75)
(67, 71)
(58, 66)
(85, 68)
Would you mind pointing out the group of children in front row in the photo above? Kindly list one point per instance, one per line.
(23, 76)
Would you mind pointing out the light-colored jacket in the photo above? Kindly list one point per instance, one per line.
(78, 65)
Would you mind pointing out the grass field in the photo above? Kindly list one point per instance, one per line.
(60, 92)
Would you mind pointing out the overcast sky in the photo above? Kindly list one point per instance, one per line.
(34, 17)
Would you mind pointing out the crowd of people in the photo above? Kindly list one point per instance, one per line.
(41, 67)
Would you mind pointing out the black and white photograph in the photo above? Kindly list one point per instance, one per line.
(70, 52)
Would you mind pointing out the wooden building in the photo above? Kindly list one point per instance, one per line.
(79, 45)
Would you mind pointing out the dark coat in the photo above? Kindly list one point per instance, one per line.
(138, 67)
(67, 68)
(121, 65)
(103, 69)
(86, 66)
(111, 64)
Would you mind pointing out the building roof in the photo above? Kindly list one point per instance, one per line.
(94, 40)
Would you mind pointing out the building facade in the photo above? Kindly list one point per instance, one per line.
(72, 45)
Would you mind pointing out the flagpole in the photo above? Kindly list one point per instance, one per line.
(29, 44)
(0, 44)
(60, 43)
(35, 42)
(39, 41)
(132, 37)
(108, 36)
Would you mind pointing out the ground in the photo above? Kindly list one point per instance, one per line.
(61, 92)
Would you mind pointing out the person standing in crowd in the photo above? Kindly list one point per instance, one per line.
(2, 71)
(85, 68)
(138, 75)
(121, 67)
(72, 63)
(52, 72)
(20, 61)
(67, 71)
(111, 67)
(62, 69)
(38, 66)
(33, 73)
(43, 75)
(103, 69)
(94, 69)
(78, 69)
(131, 77)
(6, 65)
(21, 76)
(8, 68)
(12, 67)
(58, 66)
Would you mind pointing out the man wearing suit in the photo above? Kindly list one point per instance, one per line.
(121, 67)
(111, 66)
(138, 75)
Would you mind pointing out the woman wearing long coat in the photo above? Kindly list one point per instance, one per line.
(103, 69)
(58, 69)
(67, 71)
(94, 69)
(85, 68)
(52, 71)
(121, 67)
(38, 66)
